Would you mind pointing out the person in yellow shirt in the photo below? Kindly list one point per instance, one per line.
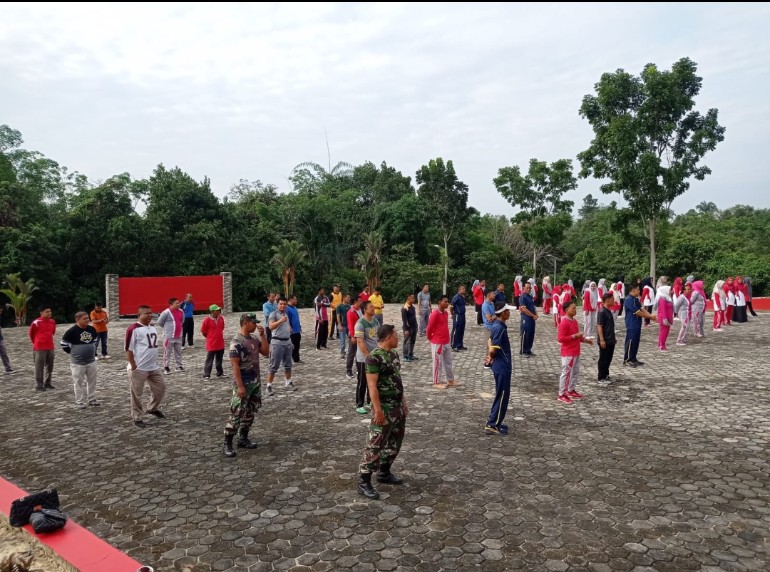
(99, 320)
(376, 300)
(336, 301)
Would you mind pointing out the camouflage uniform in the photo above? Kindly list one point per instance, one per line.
(242, 411)
(385, 442)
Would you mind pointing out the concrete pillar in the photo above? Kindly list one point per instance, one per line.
(227, 294)
(113, 296)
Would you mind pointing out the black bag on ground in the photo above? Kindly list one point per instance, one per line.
(22, 509)
(47, 520)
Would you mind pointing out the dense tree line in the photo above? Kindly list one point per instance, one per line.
(368, 223)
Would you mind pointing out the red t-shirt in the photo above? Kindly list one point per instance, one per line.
(570, 347)
(478, 295)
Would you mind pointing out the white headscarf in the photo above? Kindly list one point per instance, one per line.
(665, 292)
(594, 294)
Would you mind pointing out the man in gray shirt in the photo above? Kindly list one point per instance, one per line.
(366, 340)
(280, 346)
(424, 307)
(80, 343)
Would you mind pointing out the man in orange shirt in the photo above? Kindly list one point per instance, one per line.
(99, 320)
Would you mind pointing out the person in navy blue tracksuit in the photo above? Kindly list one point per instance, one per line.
(458, 320)
(528, 318)
(634, 315)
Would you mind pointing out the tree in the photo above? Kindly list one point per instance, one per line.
(19, 293)
(446, 199)
(590, 206)
(287, 257)
(544, 214)
(370, 259)
(648, 140)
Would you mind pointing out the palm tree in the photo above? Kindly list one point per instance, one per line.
(370, 259)
(341, 169)
(287, 257)
(19, 293)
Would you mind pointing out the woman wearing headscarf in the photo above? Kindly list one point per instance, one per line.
(547, 295)
(556, 294)
(749, 295)
(682, 309)
(616, 304)
(572, 292)
(678, 287)
(647, 297)
(730, 303)
(740, 301)
(566, 295)
(665, 315)
(620, 288)
(586, 286)
(518, 290)
(601, 287)
(590, 307)
(698, 308)
(718, 299)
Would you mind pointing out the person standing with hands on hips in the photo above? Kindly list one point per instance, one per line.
(245, 349)
(386, 430)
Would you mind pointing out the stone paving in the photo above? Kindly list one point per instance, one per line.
(667, 470)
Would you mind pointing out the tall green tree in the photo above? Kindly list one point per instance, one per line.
(287, 257)
(544, 214)
(446, 200)
(370, 258)
(648, 140)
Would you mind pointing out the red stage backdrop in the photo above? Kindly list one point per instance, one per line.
(155, 292)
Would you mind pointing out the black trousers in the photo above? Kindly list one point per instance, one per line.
(479, 318)
(458, 331)
(751, 308)
(351, 356)
(295, 340)
(362, 390)
(210, 357)
(188, 327)
(605, 358)
(322, 334)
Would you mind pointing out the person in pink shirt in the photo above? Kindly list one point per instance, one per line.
(213, 329)
(665, 315)
(171, 320)
(570, 339)
(438, 336)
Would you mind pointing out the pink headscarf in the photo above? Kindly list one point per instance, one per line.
(698, 287)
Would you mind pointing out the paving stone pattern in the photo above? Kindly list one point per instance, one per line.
(666, 470)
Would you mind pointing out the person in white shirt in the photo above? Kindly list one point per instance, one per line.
(142, 355)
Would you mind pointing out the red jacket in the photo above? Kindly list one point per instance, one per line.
(587, 306)
(41, 333)
(352, 319)
(567, 328)
(214, 332)
(438, 327)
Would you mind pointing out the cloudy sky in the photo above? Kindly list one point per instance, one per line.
(233, 91)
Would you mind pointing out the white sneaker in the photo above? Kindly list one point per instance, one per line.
(290, 386)
(604, 382)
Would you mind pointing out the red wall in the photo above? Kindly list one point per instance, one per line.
(758, 304)
(155, 292)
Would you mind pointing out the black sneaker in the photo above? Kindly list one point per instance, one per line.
(270, 389)
(141, 424)
(629, 363)
(638, 363)
(166, 371)
(349, 375)
(491, 430)
(39, 388)
(180, 368)
(158, 414)
(94, 403)
(49, 386)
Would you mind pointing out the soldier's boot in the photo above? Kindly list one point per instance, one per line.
(385, 476)
(243, 439)
(365, 486)
(229, 451)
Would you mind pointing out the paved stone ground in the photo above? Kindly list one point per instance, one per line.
(666, 470)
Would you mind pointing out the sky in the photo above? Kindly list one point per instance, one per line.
(248, 91)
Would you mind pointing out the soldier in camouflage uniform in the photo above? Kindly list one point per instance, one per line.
(247, 393)
(386, 431)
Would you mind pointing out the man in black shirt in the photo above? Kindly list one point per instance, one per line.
(80, 343)
(605, 325)
(409, 325)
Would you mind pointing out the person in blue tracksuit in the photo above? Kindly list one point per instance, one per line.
(528, 318)
(188, 324)
(634, 315)
(500, 358)
(458, 320)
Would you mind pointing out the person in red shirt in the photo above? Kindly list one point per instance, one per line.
(570, 339)
(213, 329)
(438, 336)
(41, 333)
(364, 295)
(353, 314)
(479, 292)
